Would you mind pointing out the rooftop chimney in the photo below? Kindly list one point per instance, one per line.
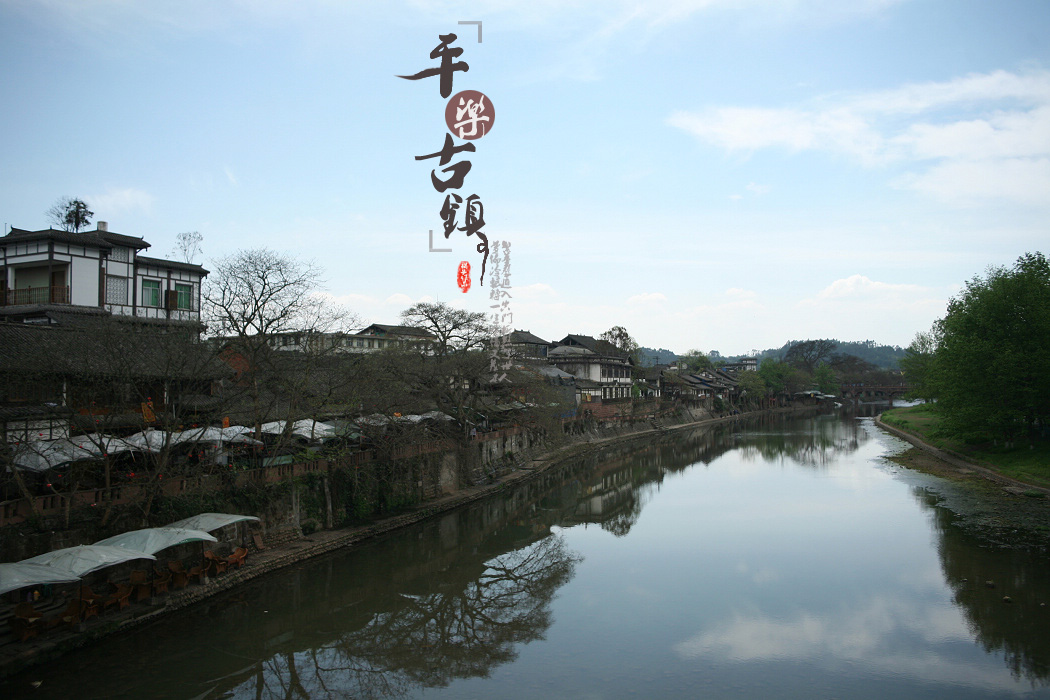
(103, 226)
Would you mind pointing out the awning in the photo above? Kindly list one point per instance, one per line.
(307, 428)
(149, 440)
(210, 521)
(41, 455)
(154, 539)
(86, 558)
(19, 574)
(214, 436)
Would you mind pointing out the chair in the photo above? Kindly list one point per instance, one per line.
(196, 573)
(237, 557)
(140, 582)
(27, 612)
(213, 563)
(86, 594)
(121, 597)
(22, 628)
(76, 612)
(161, 579)
(26, 621)
(179, 576)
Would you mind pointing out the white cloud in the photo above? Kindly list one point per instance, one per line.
(1022, 180)
(865, 634)
(534, 291)
(646, 298)
(931, 128)
(739, 295)
(120, 201)
(858, 291)
(854, 306)
(230, 176)
(399, 299)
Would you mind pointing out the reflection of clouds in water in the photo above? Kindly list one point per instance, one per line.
(760, 576)
(886, 636)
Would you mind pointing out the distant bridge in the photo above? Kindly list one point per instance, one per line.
(874, 392)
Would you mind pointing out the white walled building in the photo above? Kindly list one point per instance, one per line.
(45, 273)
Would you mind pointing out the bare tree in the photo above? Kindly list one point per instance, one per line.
(256, 300)
(456, 330)
(70, 214)
(187, 246)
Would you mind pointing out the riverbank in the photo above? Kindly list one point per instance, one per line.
(16, 656)
(998, 509)
(1026, 461)
(953, 465)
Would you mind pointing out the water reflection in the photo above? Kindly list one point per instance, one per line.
(824, 588)
(980, 576)
(456, 625)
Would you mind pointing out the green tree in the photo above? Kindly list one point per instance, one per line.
(917, 364)
(696, 360)
(991, 367)
(752, 388)
(809, 354)
(70, 214)
(780, 377)
(622, 340)
(824, 378)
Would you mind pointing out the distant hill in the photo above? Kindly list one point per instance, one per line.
(884, 356)
(650, 357)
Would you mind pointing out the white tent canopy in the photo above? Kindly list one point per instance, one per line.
(210, 521)
(15, 575)
(307, 428)
(85, 558)
(153, 539)
(41, 455)
(149, 440)
(213, 435)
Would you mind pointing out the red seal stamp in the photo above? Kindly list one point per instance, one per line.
(463, 276)
(469, 115)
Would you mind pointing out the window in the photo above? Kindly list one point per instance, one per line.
(151, 292)
(185, 296)
(116, 289)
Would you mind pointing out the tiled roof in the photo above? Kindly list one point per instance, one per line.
(404, 331)
(525, 337)
(90, 238)
(173, 264)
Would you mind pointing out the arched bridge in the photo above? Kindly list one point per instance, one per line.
(874, 392)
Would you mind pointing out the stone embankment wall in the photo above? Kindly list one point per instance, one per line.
(334, 493)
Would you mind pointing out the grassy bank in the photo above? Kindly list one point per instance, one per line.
(1025, 462)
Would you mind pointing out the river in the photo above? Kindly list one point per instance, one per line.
(776, 558)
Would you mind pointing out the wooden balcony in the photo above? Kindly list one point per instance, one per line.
(35, 295)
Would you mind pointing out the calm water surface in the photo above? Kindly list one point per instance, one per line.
(781, 558)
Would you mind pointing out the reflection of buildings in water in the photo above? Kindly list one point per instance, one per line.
(448, 599)
(1018, 629)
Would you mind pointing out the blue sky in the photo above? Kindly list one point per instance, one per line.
(713, 174)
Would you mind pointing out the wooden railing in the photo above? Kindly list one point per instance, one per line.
(35, 295)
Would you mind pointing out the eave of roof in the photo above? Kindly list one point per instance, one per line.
(172, 264)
